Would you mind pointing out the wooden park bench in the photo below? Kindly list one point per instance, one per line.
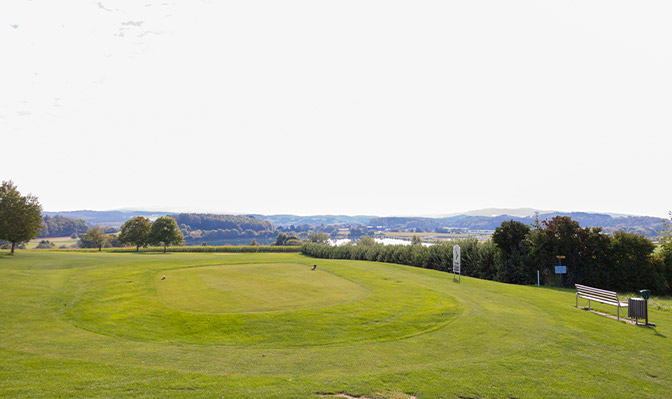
(598, 295)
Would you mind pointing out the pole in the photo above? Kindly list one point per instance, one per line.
(537, 278)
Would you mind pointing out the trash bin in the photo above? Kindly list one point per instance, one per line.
(640, 307)
(637, 308)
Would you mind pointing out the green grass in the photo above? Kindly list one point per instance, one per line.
(254, 288)
(58, 241)
(265, 326)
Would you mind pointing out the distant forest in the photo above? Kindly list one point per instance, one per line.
(208, 221)
(224, 229)
(61, 226)
(645, 225)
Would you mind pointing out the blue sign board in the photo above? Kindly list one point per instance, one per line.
(561, 270)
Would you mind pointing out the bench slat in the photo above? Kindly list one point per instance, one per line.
(580, 287)
(598, 295)
(606, 297)
(601, 300)
(591, 288)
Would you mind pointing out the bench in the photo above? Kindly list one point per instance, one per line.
(598, 295)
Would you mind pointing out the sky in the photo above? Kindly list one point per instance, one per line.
(387, 108)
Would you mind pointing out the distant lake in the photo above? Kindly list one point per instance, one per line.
(384, 241)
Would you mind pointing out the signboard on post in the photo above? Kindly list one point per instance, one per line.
(560, 269)
(456, 261)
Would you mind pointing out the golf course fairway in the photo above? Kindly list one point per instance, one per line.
(220, 325)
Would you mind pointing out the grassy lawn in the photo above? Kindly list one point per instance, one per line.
(58, 241)
(106, 325)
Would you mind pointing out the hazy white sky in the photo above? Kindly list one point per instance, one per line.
(341, 107)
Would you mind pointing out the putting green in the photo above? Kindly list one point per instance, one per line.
(254, 288)
(272, 304)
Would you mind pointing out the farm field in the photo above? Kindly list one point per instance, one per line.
(58, 241)
(234, 325)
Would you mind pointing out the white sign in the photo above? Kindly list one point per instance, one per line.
(456, 259)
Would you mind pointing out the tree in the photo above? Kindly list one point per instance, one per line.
(366, 241)
(135, 231)
(320, 238)
(632, 269)
(165, 232)
(293, 242)
(94, 238)
(415, 240)
(286, 240)
(665, 232)
(558, 236)
(20, 216)
(665, 254)
(512, 254)
(45, 244)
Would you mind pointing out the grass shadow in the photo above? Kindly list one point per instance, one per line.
(658, 334)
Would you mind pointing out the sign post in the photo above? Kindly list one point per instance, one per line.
(456, 262)
(560, 269)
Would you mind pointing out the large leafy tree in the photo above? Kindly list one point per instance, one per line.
(632, 267)
(20, 216)
(665, 233)
(165, 231)
(366, 241)
(512, 254)
(320, 238)
(286, 240)
(94, 238)
(135, 231)
(666, 251)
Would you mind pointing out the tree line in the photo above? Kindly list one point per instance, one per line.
(138, 232)
(61, 226)
(621, 261)
(645, 225)
(208, 221)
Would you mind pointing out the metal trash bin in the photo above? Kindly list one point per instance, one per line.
(637, 309)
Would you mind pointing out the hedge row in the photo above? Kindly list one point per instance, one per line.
(223, 248)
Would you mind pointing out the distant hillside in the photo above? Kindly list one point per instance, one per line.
(316, 220)
(209, 221)
(517, 212)
(645, 225)
(473, 220)
(106, 218)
